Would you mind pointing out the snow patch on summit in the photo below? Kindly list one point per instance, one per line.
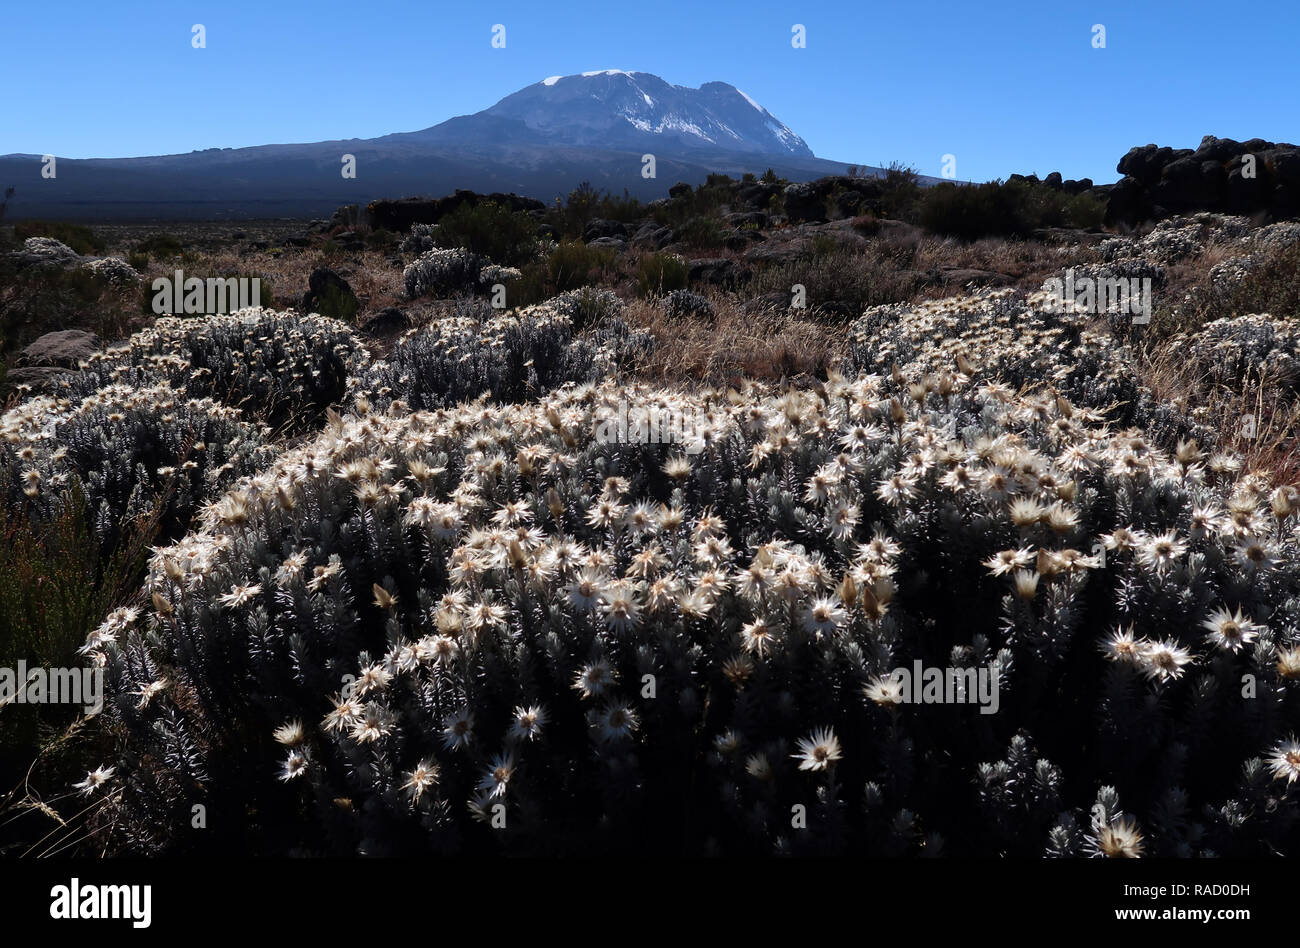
(752, 102)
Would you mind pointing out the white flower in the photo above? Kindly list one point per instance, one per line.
(528, 722)
(1285, 761)
(819, 751)
(1230, 630)
(94, 780)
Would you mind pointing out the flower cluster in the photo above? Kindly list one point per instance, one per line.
(455, 270)
(49, 247)
(484, 628)
(998, 334)
(1177, 238)
(680, 304)
(419, 240)
(510, 357)
(1255, 347)
(114, 271)
(131, 453)
(278, 367)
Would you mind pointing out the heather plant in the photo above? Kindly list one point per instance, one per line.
(77, 237)
(572, 264)
(660, 273)
(114, 271)
(681, 304)
(489, 230)
(999, 334)
(531, 628)
(451, 271)
(1013, 208)
(279, 368)
(133, 453)
(509, 357)
(1255, 348)
(57, 584)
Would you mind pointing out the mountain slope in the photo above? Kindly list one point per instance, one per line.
(541, 141)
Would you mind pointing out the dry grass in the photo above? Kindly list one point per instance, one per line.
(1259, 420)
(735, 345)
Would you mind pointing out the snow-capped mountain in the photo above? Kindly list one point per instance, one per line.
(541, 141)
(614, 108)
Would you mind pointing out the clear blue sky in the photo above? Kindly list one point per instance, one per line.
(1004, 85)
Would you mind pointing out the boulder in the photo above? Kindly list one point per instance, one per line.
(36, 378)
(603, 228)
(718, 271)
(329, 294)
(653, 235)
(62, 349)
(1128, 203)
(387, 322)
(805, 201)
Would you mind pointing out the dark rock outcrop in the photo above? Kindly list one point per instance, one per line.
(1251, 177)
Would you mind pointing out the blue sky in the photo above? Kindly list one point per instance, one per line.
(1004, 85)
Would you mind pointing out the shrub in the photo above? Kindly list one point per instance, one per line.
(80, 238)
(506, 357)
(282, 369)
(1013, 209)
(135, 452)
(660, 273)
(489, 230)
(56, 585)
(846, 277)
(700, 232)
(113, 271)
(337, 303)
(160, 247)
(1258, 349)
(573, 264)
(900, 192)
(444, 271)
(459, 611)
(681, 304)
(1001, 335)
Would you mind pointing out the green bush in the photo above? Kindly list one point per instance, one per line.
(504, 236)
(336, 304)
(900, 191)
(660, 273)
(77, 236)
(56, 585)
(42, 299)
(380, 240)
(573, 264)
(138, 260)
(702, 233)
(160, 247)
(998, 209)
(585, 204)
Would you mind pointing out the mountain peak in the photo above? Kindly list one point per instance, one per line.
(620, 108)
